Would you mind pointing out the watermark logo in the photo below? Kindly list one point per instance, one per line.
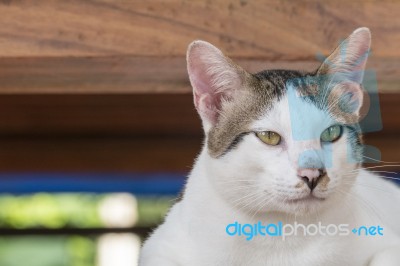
(249, 231)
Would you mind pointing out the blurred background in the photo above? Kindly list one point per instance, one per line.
(97, 127)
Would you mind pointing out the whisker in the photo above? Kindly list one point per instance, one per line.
(264, 203)
(376, 160)
(372, 167)
(389, 177)
(258, 196)
(389, 172)
(369, 186)
(238, 201)
(373, 171)
(364, 203)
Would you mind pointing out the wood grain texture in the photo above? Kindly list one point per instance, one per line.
(273, 30)
(150, 132)
(153, 154)
(99, 115)
(119, 46)
(123, 154)
(140, 115)
(138, 74)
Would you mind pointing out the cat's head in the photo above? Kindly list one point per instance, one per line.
(281, 140)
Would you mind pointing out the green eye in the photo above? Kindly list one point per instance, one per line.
(332, 133)
(269, 137)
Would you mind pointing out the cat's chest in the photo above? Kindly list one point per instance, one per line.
(265, 252)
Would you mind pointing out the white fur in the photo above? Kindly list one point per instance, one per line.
(253, 183)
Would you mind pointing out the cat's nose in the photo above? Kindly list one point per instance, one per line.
(311, 176)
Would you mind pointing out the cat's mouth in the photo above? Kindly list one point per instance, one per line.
(308, 198)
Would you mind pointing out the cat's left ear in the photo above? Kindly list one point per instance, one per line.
(215, 80)
(346, 66)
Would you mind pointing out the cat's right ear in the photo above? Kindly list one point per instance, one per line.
(345, 68)
(214, 78)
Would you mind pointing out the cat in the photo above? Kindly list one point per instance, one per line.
(281, 147)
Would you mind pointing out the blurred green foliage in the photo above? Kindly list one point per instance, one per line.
(47, 251)
(152, 210)
(50, 211)
(44, 210)
(81, 250)
(71, 210)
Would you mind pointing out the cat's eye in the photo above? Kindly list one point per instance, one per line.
(269, 137)
(332, 133)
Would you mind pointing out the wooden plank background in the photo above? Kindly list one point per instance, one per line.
(134, 132)
(101, 85)
(139, 46)
(275, 29)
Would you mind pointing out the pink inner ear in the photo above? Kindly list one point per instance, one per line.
(350, 57)
(213, 78)
(357, 59)
(205, 105)
(360, 42)
(206, 99)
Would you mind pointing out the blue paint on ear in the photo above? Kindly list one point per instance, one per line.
(372, 120)
(347, 103)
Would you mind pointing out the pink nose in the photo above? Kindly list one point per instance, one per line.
(311, 176)
(308, 172)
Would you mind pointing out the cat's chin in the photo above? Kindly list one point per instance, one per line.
(299, 207)
(307, 199)
(303, 206)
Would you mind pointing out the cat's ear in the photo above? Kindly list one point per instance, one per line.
(350, 57)
(346, 66)
(215, 79)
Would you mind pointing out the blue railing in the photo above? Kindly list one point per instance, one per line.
(137, 183)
